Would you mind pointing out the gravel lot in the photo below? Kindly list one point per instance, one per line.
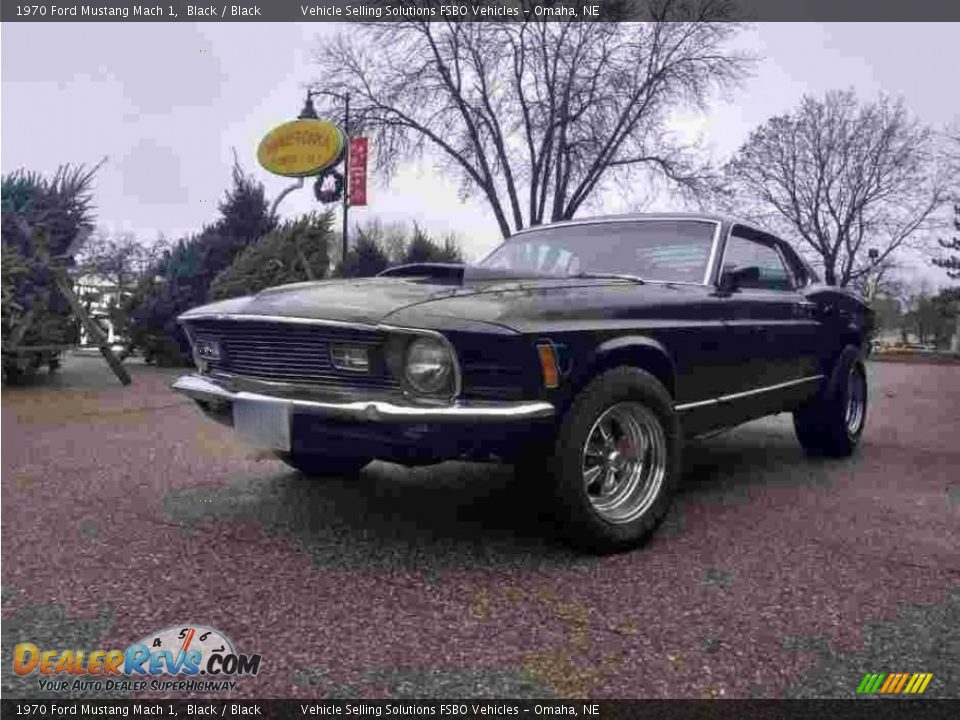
(125, 511)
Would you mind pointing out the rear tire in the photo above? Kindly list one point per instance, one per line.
(319, 465)
(616, 461)
(832, 423)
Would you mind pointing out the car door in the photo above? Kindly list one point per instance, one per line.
(772, 335)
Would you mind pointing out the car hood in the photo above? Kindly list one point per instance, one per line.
(423, 295)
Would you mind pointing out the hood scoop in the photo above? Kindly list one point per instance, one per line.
(433, 273)
(450, 274)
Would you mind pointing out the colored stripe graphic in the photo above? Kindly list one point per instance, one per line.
(918, 683)
(894, 683)
(891, 681)
(870, 683)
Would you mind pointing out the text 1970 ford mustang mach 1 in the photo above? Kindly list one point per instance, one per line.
(590, 349)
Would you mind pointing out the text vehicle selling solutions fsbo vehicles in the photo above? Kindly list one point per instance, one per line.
(585, 352)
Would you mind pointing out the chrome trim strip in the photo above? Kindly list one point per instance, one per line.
(200, 388)
(747, 393)
(188, 317)
(708, 273)
(379, 327)
(647, 281)
(694, 405)
(794, 285)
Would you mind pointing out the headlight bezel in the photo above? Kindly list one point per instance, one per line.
(428, 367)
(395, 355)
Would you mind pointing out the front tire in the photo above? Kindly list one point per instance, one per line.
(320, 465)
(616, 461)
(832, 423)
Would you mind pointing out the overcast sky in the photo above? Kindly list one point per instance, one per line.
(168, 104)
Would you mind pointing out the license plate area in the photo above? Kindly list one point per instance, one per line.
(263, 424)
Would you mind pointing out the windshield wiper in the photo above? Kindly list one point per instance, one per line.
(609, 276)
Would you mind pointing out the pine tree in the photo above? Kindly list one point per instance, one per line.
(951, 263)
(365, 259)
(183, 278)
(421, 249)
(296, 251)
(41, 218)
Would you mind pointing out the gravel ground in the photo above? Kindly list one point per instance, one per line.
(125, 511)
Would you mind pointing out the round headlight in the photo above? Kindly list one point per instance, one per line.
(429, 366)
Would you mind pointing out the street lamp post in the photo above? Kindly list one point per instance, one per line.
(346, 172)
(874, 281)
(345, 97)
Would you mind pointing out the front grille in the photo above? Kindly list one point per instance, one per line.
(293, 352)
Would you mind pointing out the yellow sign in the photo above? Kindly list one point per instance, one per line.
(301, 148)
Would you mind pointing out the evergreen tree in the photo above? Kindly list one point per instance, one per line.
(365, 259)
(951, 263)
(421, 249)
(296, 251)
(41, 219)
(182, 279)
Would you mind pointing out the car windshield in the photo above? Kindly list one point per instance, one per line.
(658, 250)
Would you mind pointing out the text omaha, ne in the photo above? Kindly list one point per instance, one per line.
(450, 10)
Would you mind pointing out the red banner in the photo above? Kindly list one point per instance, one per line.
(357, 172)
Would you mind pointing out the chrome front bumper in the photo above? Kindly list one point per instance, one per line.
(201, 389)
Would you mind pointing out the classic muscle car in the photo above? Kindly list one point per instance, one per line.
(585, 352)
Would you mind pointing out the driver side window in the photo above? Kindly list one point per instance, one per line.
(741, 252)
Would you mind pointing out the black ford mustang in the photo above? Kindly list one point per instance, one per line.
(590, 349)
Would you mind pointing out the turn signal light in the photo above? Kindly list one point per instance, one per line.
(548, 364)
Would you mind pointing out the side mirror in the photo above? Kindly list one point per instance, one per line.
(730, 280)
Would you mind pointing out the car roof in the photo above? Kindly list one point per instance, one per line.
(701, 216)
(727, 220)
(723, 219)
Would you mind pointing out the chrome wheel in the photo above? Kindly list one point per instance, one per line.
(624, 462)
(856, 401)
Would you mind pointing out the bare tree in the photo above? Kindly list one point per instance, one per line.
(118, 261)
(846, 177)
(537, 116)
(883, 278)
